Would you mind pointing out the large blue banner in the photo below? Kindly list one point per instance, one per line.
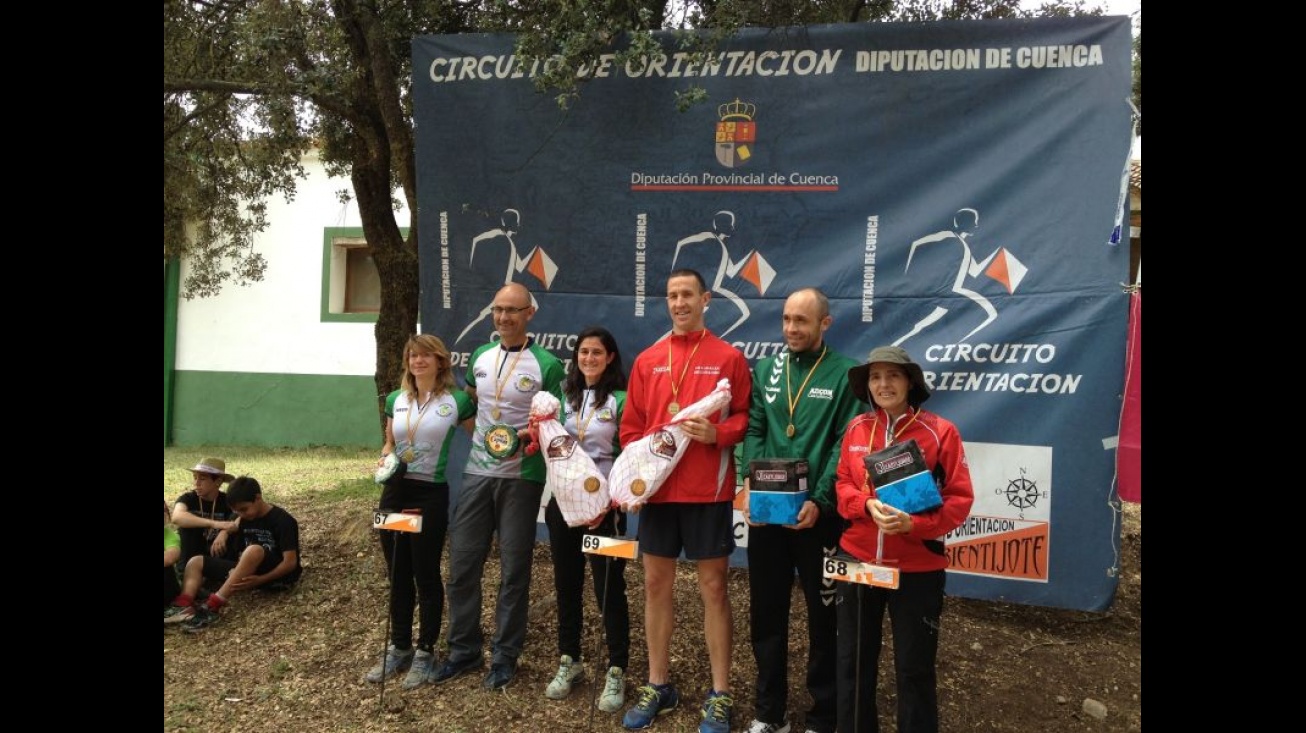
(954, 187)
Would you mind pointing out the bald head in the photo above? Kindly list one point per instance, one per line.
(810, 297)
(806, 319)
(515, 292)
(512, 310)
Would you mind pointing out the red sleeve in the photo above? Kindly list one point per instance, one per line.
(731, 430)
(957, 491)
(634, 419)
(850, 474)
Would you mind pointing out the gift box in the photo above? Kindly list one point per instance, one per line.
(901, 479)
(777, 490)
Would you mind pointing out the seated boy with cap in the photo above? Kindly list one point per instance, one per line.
(267, 540)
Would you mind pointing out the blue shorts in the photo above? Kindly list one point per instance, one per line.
(703, 531)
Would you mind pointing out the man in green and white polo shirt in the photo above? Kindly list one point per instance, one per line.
(501, 492)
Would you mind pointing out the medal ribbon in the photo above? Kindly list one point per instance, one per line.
(671, 373)
(213, 514)
(411, 428)
(891, 437)
(793, 401)
(581, 425)
(500, 383)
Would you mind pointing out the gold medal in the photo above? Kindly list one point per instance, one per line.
(494, 413)
(794, 398)
(501, 441)
(408, 456)
(673, 408)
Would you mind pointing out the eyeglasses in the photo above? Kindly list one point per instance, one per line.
(500, 310)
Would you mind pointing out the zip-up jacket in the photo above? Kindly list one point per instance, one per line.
(922, 549)
(823, 406)
(705, 473)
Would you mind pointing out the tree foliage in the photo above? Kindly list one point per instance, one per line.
(573, 33)
(250, 85)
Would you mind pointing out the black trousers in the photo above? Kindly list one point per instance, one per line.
(775, 554)
(171, 584)
(569, 583)
(914, 611)
(413, 561)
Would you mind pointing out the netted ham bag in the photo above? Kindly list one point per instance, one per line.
(576, 482)
(643, 465)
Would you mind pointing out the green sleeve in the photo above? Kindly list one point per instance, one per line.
(466, 407)
(469, 376)
(621, 410)
(390, 402)
(847, 408)
(554, 376)
(552, 371)
(754, 443)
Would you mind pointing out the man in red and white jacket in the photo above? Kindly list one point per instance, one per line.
(693, 510)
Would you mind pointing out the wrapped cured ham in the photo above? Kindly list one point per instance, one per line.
(574, 479)
(643, 465)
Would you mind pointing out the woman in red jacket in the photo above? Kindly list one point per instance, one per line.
(910, 544)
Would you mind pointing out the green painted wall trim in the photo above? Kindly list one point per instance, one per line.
(171, 289)
(274, 410)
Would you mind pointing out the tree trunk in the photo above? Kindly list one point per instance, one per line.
(382, 149)
(397, 265)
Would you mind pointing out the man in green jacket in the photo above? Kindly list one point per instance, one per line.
(800, 405)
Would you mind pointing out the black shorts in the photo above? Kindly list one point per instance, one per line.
(703, 531)
(217, 568)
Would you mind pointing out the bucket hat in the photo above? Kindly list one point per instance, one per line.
(215, 467)
(858, 375)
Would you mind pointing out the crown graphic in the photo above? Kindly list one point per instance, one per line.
(737, 110)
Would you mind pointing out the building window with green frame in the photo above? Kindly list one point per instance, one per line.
(351, 285)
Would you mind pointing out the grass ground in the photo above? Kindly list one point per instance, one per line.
(292, 662)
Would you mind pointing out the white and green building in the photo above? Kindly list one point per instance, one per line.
(287, 361)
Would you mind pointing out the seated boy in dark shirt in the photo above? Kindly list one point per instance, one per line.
(203, 518)
(267, 538)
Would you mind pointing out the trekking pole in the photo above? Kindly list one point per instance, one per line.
(857, 667)
(851, 570)
(389, 607)
(600, 672)
(406, 521)
(611, 549)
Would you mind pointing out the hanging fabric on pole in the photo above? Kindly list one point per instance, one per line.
(1129, 452)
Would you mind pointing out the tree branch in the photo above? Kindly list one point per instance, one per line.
(325, 101)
